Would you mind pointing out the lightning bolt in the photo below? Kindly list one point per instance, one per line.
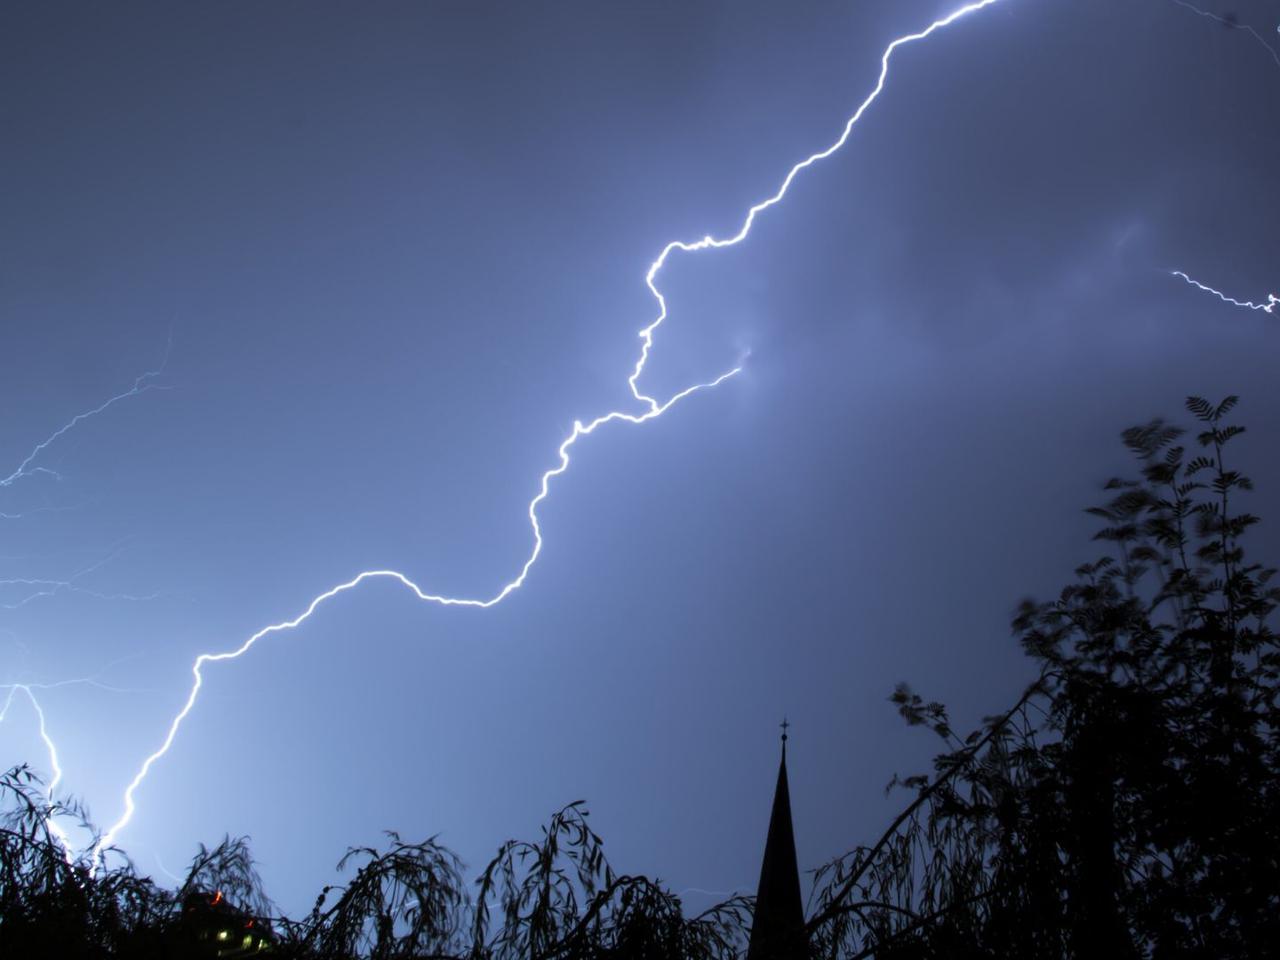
(54, 766)
(177, 880)
(1268, 307)
(141, 384)
(51, 748)
(651, 409)
(1234, 26)
(41, 587)
(48, 588)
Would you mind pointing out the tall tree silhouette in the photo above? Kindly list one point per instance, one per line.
(1126, 804)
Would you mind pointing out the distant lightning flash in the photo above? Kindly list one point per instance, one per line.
(28, 468)
(1268, 307)
(48, 588)
(1272, 300)
(140, 385)
(652, 409)
(31, 513)
(1234, 25)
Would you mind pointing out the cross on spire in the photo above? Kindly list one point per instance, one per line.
(784, 725)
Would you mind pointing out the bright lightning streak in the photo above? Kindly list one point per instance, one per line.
(54, 766)
(141, 384)
(1268, 307)
(1234, 26)
(653, 410)
(646, 335)
(579, 430)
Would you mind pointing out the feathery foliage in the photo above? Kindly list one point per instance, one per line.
(1125, 805)
(556, 898)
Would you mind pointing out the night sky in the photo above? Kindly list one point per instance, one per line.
(393, 251)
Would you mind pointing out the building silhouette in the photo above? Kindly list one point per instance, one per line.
(777, 931)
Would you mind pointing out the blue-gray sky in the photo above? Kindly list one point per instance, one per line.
(399, 248)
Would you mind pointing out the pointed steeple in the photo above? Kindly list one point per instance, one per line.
(777, 932)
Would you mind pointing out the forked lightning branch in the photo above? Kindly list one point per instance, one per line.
(650, 408)
(646, 408)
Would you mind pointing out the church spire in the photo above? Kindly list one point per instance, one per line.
(777, 931)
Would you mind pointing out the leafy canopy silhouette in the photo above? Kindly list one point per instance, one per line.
(1123, 806)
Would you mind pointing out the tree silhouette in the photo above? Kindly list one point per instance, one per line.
(1126, 804)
